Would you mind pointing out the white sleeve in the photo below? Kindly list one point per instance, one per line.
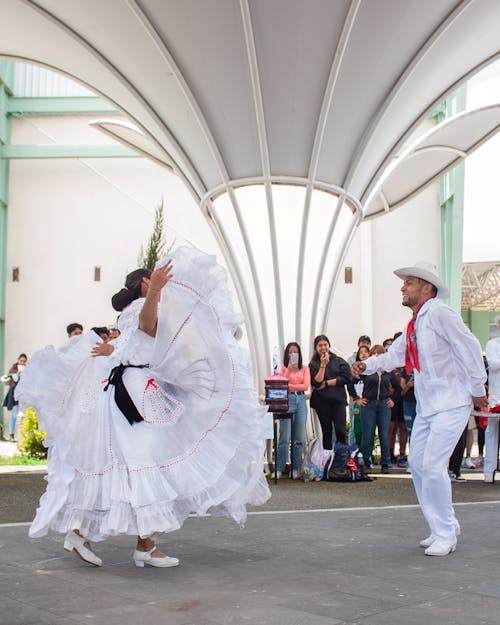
(464, 344)
(394, 357)
(493, 354)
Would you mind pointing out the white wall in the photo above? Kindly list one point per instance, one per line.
(397, 239)
(66, 216)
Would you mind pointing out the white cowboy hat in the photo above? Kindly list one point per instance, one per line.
(425, 271)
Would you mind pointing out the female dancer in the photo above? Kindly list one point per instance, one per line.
(166, 425)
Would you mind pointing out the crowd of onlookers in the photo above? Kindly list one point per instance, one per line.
(373, 412)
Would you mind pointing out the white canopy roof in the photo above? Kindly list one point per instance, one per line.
(316, 93)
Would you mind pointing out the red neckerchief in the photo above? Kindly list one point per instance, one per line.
(411, 356)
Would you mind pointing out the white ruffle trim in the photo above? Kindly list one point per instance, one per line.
(107, 477)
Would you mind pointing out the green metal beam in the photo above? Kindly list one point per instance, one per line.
(6, 75)
(451, 200)
(66, 151)
(59, 106)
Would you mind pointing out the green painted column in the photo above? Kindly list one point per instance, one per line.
(452, 228)
(6, 82)
(451, 201)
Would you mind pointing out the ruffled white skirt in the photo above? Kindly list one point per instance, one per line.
(200, 446)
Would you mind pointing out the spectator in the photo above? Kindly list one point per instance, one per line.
(102, 332)
(491, 434)
(114, 333)
(10, 402)
(387, 343)
(74, 329)
(376, 404)
(329, 376)
(299, 381)
(409, 401)
(363, 341)
(455, 464)
(355, 388)
(397, 426)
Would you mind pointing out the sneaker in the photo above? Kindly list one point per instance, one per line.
(457, 478)
(468, 464)
(389, 464)
(402, 462)
(12, 439)
(296, 475)
(277, 475)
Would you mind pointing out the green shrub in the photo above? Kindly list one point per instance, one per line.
(31, 437)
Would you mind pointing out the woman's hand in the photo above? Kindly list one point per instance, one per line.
(390, 403)
(361, 401)
(102, 349)
(325, 359)
(160, 277)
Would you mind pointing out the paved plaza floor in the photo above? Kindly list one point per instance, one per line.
(316, 554)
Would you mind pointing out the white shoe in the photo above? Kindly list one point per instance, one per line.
(441, 548)
(296, 475)
(427, 542)
(144, 557)
(276, 475)
(468, 464)
(75, 542)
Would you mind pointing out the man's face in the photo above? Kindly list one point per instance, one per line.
(415, 291)
(365, 343)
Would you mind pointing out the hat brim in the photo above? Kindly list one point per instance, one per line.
(417, 272)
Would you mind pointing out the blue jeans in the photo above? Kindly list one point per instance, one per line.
(297, 407)
(409, 412)
(376, 413)
(13, 417)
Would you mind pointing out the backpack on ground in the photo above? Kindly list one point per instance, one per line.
(346, 465)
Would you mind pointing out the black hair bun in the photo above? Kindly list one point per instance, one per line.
(122, 299)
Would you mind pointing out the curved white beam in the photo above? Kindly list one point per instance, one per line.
(187, 164)
(418, 120)
(381, 112)
(264, 155)
(318, 142)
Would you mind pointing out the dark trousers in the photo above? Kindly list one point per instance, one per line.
(458, 454)
(328, 414)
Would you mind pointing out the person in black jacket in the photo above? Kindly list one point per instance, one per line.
(376, 404)
(329, 376)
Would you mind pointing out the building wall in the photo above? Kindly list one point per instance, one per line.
(372, 304)
(67, 216)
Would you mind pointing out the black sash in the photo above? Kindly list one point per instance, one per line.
(122, 398)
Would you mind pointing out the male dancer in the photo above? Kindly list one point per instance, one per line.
(447, 364)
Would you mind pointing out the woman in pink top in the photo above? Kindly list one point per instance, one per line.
(299, 380)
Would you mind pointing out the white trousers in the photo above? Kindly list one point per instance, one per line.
(491, 445)
(433, 440)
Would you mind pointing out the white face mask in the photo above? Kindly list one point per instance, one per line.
(294, 359)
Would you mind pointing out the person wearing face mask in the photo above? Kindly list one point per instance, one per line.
(10, 402)
(329, 376)
(299, 381)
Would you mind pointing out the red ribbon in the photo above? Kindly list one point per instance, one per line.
(411, 356)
